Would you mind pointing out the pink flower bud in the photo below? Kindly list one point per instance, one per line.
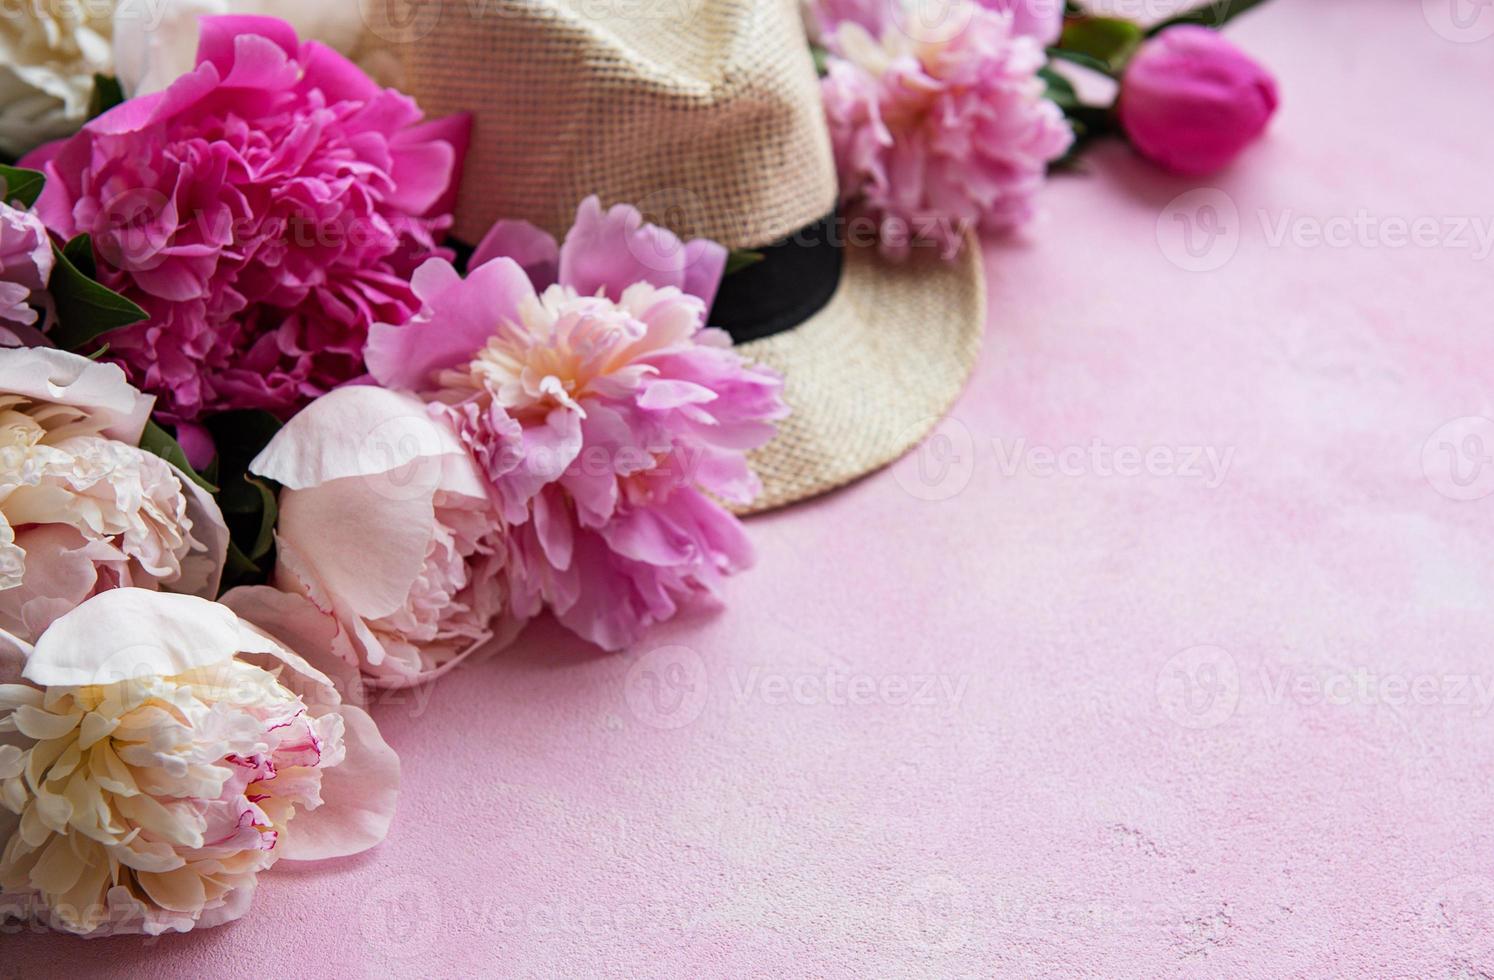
(1190, 101)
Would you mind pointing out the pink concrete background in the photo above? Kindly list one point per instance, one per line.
(976, 717)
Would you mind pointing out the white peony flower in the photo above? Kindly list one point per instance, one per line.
(82, 508)
(363, 463)
(49, 53)
(162, 755)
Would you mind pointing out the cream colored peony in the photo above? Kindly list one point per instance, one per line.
(167, 753)
(49, 53)
(82, 508)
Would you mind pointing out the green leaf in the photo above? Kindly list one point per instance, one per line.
(157, 440)
(248, 502)
(21, 185)
(1081, 59)
(269, 512)
(239, 569)
(107, 94)
(1215, 15)
(741, 258)
(86, 309)
(821, 60)
(1060, 90)
(1108, 40)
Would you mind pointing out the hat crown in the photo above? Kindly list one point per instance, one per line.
(705, 114)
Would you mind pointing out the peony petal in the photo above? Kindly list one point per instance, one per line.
(533, 248)
(609, 251)
(148, 56)
(179, 891)
(458, 318)
(329, 527)
(705, 264)
(129, 633)
(202, 571)
(43, 374)
(359, 797)
(296, 623)
(359, 431)
(454, 131)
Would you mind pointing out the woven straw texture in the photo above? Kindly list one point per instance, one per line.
(870, 374)
(704, 114)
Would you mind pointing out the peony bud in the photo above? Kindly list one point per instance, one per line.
(1190, 101)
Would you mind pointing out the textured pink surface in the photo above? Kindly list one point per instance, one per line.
(1053, 805)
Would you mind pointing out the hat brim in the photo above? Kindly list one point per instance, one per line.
(870, 374)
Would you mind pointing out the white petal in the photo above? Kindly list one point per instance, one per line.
(124, 634)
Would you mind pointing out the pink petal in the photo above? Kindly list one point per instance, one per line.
(458, 318)
(532, 247)
(359, 797)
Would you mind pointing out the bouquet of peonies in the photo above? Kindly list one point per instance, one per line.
(267, 445)
(267, 448)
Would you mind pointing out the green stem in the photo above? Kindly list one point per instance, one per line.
(1214, 15)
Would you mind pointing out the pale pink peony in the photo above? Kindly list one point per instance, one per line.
(942, 135)
(82, 508)
(25, 266)
(607, 419)
(168, 753)
(264, 210)
(385, 527)
(1041, 20)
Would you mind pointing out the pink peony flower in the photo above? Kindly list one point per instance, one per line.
(264, 210)
(165, 753)
(943, 135)
(1041, 20)
(606, 418)
(385, 527)
(82, 508)
(25, 266)
(1190, 100)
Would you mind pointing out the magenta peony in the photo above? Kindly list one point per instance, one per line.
(25, 267)
(264, 210)
(942, 135)
(606, 418)
(1190, 101)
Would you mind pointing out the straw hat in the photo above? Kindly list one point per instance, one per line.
(706, 115)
